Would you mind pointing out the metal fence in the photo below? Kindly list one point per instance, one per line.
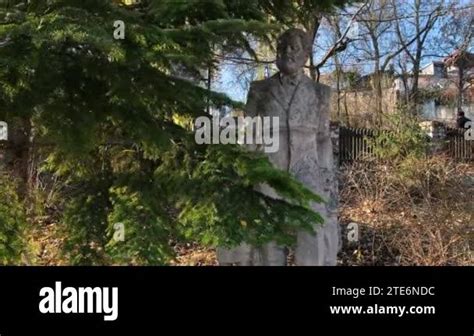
(355, 144)
(457, 146)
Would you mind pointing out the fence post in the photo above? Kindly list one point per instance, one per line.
(335, 130)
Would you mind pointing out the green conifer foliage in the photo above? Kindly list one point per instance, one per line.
(12, 223)
(110, 108)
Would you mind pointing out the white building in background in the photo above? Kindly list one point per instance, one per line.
(435, 77)
(436, 69)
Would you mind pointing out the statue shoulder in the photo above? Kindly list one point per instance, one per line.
(323, 92)
(318, 87)
(323, 88)
(257, 85)
(260, 85)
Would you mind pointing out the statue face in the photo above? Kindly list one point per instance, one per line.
(291, 55)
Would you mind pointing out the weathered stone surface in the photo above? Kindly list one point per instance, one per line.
(305, 150)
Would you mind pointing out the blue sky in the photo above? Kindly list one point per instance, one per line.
(233, 83)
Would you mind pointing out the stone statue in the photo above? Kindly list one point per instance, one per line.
(305, 150)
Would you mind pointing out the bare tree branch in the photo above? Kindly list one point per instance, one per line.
(407, 44)
(342, 42)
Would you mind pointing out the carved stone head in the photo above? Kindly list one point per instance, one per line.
(293, 49)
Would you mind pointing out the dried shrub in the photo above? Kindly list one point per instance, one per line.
(417, 211)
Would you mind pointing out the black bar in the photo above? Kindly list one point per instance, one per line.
(199, 300)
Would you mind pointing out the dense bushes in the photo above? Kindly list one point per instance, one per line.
(404, 138)
(413, 208)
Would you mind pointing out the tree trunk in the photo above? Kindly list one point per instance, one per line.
(313, 71)
(377, 85)
(338, 87)
(19, 151)
(461, 86)
(414, 96)
(209, 87)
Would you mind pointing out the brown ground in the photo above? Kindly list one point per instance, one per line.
(422, 217)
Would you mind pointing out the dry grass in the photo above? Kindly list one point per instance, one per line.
(194, 255)
(415, 212)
